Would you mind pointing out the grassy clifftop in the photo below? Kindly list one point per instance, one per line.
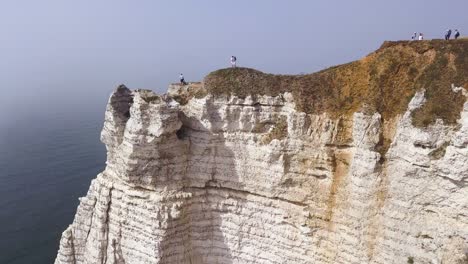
(383, 81)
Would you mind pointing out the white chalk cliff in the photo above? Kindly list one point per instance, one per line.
(252, 179)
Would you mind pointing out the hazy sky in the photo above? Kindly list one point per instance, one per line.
(59, 54)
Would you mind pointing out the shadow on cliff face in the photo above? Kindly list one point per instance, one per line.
(199, 234)
(191, 227)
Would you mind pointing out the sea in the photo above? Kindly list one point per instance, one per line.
(47, 161)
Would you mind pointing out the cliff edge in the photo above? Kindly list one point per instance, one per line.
(365, 162)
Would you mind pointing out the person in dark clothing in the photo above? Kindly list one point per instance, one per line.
(457, 34)
(182, 80)
(447, 34)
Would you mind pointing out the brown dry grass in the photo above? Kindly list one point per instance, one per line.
(279, 131)
(192, 90)
(149, 96)
(439, 152)
(384, 81)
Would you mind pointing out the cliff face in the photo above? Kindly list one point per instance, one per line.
(255, 168)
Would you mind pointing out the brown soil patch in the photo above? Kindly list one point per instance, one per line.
(341, 160)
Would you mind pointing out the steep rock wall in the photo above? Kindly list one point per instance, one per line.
(250, 179)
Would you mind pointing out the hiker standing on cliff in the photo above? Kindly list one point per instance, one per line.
(182, 80)
(415, 36)
(448, 34)
(233, 61)
(457, 34)
(420, 36)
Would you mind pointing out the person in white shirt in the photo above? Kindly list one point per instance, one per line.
(420, 36)
(233, 61)
(415, 36)
(457, 34)
(182, 80)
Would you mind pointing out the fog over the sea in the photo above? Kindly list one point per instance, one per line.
(64, 56)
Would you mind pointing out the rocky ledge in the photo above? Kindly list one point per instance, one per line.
(248, 167)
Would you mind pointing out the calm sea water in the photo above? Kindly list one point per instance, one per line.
(47, 162)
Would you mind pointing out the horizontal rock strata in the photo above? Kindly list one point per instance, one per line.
(227, 179)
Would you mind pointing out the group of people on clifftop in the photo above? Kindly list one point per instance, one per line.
(448, 34)
(233, 65)
(417, 37)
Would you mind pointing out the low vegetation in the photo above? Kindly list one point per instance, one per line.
(279, 131)
(384, 81)
(439, 152)
(189, 91)
(149, 96)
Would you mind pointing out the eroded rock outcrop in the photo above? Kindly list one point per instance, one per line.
(202, 176)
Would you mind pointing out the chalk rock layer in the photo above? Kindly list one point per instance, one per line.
(231, 180)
